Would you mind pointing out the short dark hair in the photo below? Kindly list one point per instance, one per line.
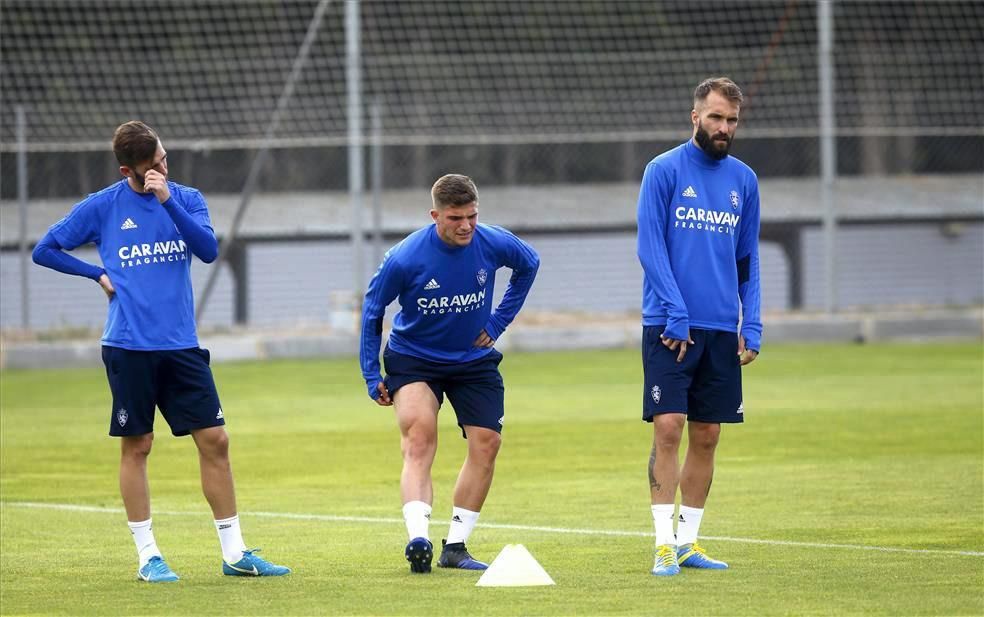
(134, 143)
(722, 85)
(454, 190)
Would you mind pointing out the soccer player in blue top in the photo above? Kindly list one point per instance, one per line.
(442, 342)
(146, 229)
(698, 244)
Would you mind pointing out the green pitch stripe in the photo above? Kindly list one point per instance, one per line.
(562, 530)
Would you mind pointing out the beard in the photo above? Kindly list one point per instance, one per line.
(710, 147)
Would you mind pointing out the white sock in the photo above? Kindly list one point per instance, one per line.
(231, 538)
(417, 516)
(462, 523)
(688, 524)
(143, 537)
(663, 521)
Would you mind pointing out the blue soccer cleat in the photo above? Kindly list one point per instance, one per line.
(156, 571)
(252, 564)
(666, 561)
(419, 553)
(693, 556)
(456, 556)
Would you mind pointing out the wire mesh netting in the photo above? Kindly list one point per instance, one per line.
(516, 93)
(209, 73)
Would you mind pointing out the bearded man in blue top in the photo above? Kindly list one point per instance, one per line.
(146, 229)
(698, 244)
(442, 342)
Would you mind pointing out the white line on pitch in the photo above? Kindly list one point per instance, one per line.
(563, 530)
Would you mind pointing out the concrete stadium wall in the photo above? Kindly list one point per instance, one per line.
(900, 264)
(66, 302)
(293, 284)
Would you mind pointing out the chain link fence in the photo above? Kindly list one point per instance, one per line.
(564, 98)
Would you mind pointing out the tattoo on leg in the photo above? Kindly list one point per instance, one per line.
(653, 483)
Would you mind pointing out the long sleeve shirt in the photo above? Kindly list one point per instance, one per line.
(445, 295)
(146, 248)
(698, 244)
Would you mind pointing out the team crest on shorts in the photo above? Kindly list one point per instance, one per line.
(656, 392)
(122, 416)
(733, 195)
(482, 276)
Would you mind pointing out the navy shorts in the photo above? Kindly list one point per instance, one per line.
(474, 388)
(706, 385)
(179, 382)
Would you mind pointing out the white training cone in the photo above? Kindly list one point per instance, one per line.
(514, 567)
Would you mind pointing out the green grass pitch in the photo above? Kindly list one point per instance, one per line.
(854, 487)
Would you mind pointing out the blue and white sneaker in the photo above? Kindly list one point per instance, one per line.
(666, 561)
(456, 556)
(156, 571)
(253, 565)
(693, 556)
(419, 553)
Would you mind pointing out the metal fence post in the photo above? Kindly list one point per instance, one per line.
(828, 150)
(25, 298)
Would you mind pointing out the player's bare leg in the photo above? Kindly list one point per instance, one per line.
(664, 460)
(416, 413)
(220, 492)
(134, 486)
(698, 466)
(664, 477)
(135, 490)
(695, 485)
(216, 470)
(470, 491)
(475, 477)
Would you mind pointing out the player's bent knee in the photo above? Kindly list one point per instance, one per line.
(419, 445)
(668, 430)
(484, 444)
(705, 436)
(667, 442)
(138, 446)
(667, 422)
(418, 450)
(213, 442)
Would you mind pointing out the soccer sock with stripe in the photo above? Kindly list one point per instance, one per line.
(416, 515)
(231, 538)
(663, 522)
(143, 537)
(688, 524)
(462, 523)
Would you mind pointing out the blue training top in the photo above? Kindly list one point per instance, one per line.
(445, 296)
(698, 244)
(146, 250)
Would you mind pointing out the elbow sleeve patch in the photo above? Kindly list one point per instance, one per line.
(743, 267)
